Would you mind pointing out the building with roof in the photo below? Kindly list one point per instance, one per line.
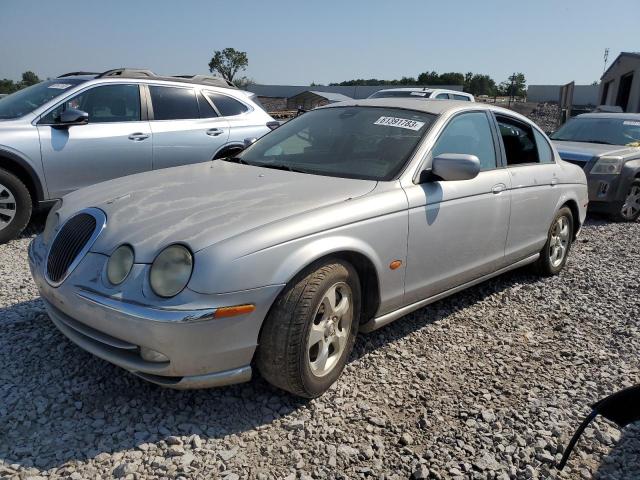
(311, 99)
(620, 83)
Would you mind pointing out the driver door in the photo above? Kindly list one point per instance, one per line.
(116, 142)
(458, 229)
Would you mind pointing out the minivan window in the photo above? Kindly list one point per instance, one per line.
(104, 104)
(227, 106)
(27, 100)
(173, 103)
(468, 133)
(443, 96)
(461, 97)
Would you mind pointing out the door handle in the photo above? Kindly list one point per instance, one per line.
(214, 132)
(554, 181)
(501, 187)
(138, 137)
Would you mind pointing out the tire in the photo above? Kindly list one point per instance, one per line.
(559, 238)
(287, 356)
(15, 206)
(629, 209)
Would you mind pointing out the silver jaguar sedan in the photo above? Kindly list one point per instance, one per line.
(342, 220)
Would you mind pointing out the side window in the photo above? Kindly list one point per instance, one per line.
(519, 142)
(544, 149)
(460, 97)
(443, 96)
(468, 133)
(227, 106)
(173, 103)
(206, 110)
(104, 104)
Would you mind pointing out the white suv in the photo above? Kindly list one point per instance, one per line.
(83, 128)
(417, 92)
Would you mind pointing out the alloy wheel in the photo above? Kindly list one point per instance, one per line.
(7, 206)
(559, 242)
(631, 205)
(330, 329)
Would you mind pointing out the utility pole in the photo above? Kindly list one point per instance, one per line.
(606, 57)
(511, 92)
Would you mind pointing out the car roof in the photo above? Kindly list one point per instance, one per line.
(622, 116)
(406, 89)
(435, 107)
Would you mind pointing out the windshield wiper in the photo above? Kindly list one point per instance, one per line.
(281, 166)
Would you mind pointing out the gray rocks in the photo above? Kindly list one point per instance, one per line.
(489, 383)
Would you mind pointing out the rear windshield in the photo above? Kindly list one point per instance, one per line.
(369, 143)
(27, 100)
(400, 93)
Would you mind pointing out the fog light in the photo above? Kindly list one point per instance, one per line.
(152, 356)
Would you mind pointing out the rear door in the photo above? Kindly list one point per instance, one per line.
(534, 191)
(186, 128)
(116, 141)
(244, 122)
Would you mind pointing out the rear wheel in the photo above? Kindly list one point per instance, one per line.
(553, 255)
(310, 331)
(630, 209)
(15, 206)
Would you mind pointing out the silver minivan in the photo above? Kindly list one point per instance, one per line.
(84, 128)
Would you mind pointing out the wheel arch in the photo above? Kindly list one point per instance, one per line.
(575, 211)
(19, 167)
(228, 149)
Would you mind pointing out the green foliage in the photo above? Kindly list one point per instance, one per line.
(228, 62)
(9, 86)
(474, 83)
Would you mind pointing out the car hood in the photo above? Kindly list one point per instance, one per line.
(200, 205)
(584, 152)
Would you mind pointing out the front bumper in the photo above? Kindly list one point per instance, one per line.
(608, 192)
(201, 351)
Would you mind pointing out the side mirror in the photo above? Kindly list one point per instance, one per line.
(455, 166)
(71, 116)
(249, 141)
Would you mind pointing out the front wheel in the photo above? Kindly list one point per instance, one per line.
(630, 210)
(310, 331)
(553, 255)
(15, 206)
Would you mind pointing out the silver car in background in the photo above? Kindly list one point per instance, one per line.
(85, 128)
(423, 92)
(341, 220)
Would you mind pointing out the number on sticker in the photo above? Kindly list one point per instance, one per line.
(399, 123)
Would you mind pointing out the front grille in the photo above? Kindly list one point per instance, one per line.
(69, 243)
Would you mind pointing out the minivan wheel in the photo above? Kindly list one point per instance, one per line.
(15, 206)
(310, 331)
(630, 209)
(553, 255)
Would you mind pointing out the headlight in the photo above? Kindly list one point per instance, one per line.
(607, 165)
(53, 220)
(120, 264)
(171, 270)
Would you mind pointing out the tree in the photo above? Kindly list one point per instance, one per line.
(29, 78)
(480, 85)
(515, 85)
(7, 86)
(228, 62)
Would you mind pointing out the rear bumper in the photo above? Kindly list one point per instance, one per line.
(199, 350)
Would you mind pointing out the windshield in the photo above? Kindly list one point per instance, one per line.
(606, 130)
(27, 100)
(352, 142)
(400, 93)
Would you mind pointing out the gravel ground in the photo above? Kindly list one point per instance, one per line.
(489, 383)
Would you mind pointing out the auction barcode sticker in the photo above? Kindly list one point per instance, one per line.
(59, 86)
(631, 122)
(400, 123)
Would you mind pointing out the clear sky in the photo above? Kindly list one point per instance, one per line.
(297, 42)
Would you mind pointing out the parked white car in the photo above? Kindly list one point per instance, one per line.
(417, 92)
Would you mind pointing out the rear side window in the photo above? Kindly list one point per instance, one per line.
(544, 149)
(443, 96)
(519, 142)
(171, 103)
(468, 133)
(227, 106)
(461, 97)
